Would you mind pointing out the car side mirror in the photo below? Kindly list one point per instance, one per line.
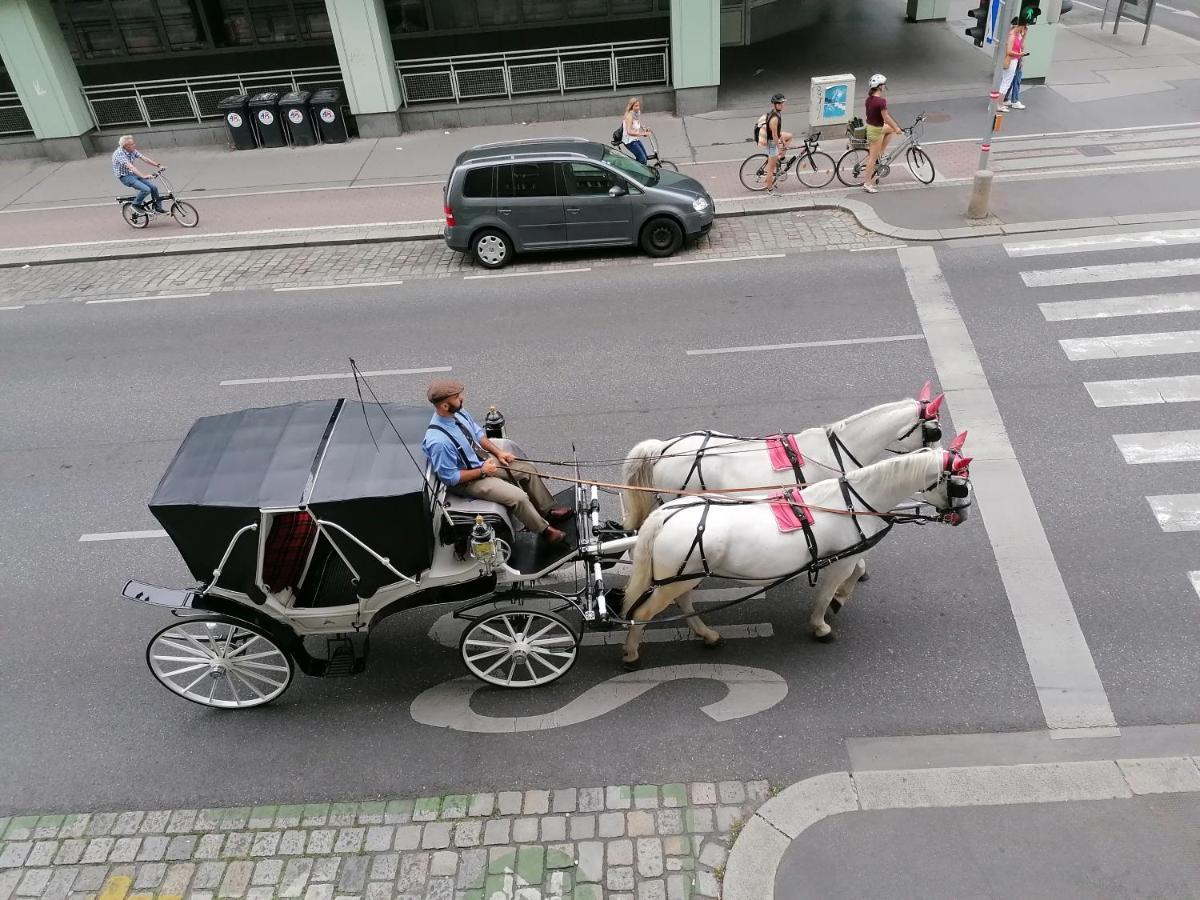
(618, 190)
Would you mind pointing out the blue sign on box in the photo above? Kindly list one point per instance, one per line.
(835, 101)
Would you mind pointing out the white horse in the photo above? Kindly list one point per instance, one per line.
(709, 461)
(742, 541)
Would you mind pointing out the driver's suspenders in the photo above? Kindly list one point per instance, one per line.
(471, 442)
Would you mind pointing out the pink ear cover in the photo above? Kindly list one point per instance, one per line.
(959, 440)
(932, 407)
(926, 392)
(961, 464)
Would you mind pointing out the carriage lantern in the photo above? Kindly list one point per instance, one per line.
(483, 541)
(493, 423)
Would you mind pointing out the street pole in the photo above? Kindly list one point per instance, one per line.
(981, 189)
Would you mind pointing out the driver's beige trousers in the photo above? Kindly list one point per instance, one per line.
(519, 488)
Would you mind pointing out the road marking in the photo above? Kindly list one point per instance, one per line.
(1140, 391)
(333, 376)
(333, 287)
(121, 536)
(1195, 577)
(1163, 268)
(1112, 307)
(1169, 238)
(1060, 663)
(154, 297)
(888, 247)
(750, 691)
(1176, 512)
(525, 274)
(720, 259)
(1124, 346)
(8, 308)
(1159, 447)
(800, 346)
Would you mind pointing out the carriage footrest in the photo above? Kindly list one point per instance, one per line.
(346, 654)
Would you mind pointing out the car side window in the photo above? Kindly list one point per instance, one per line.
(526, 180)
(586, 180)
(478, 182)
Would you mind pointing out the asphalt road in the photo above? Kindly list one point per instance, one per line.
(97, 398)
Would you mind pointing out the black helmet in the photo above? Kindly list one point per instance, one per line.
(779, 98)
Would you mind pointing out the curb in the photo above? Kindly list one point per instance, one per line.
(755, 857)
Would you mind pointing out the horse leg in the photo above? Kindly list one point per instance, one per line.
(845, 590)
(710, 636)
(630, 658)
(828, 583)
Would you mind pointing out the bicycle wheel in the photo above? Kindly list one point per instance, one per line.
(185, 214)
(134, 216)
(852, 167)
(754, 172)
(919, 164)
(668, 165)
(815, 170)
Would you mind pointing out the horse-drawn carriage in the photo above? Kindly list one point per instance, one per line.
(308, 524)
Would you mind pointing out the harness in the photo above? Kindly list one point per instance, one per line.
(697, 467)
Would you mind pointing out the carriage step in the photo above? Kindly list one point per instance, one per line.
(345, 655)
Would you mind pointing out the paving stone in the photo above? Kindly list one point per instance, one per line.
(353, 875)
(468, 834)
(510, 802)
(649, 857)
(564, 801)
(101, 824)
(408, 837)
(639, 823)
(713, 855)
(16, 852)
(727, 817)
(414, 869)
(182, 821)
(209, 875)
(472, 867)
(209, 846)
(612, 824)
(292, 842)
(703, 792)
(378, 838)
(125, 849)
(74, 826)
(267, 871)
(441, 889)
(380, 890)
(288, 816)
(262, 817)
(554, 828)
(655, 889)
(590, 867)
(496, 831)
(237, 879)
(20, 828)
(758, 791)
(436, 835)
(674, 795)
(619, 878)
(60, 883)
(34, 882)
(237, 844)
(259, 893)
(371, 813)
(426, 809)
(731, 792)
(177, 878)
(588, 892)
(320, 841)
(384, 867)
(531, 864)
(455, 806)
(127, 823)
(669, 821)
(559, 884)
(707, 885)
(349, 840)
(525, 830)
(617, 797)
(153, 848)
(699, 819)
(343, 814)
(481, 805)
(150, 875)
(398, 812)
(560, 856)
(325, 869)
(620, 853)
(295, 877)
(582, 827)
(235, 819)
(645, 796)
(42, 854)
(591, 800)
(90, 878)
(537, 803)
(679, 887)
(319, 892)
(443, 862)
(47, 827)
(315, 815)
(676, 845)
(181, 847)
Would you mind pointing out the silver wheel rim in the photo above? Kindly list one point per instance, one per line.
(185, 215)
(516, 649)
(219, 664)
(491, 249)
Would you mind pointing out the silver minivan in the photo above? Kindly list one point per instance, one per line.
(567, 193)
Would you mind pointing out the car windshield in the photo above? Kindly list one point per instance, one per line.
(643, 175)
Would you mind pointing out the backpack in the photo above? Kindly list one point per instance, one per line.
(760, 130)
(618, 133)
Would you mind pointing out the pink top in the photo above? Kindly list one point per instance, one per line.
(1018, 42)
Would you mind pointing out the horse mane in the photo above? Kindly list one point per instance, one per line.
(842, 424)
(905, 466)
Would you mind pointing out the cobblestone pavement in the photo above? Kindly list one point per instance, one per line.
(643, 842)
(790, 232)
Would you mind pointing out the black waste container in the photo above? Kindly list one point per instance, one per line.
(265, 109)
(327, 112)
(237, 122)
(293, 109)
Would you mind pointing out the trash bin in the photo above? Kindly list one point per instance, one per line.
(327, 111)
(265, 109)
(293, 109)
(237, 122)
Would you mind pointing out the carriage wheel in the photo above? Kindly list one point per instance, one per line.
(219, 663)
(518, 647)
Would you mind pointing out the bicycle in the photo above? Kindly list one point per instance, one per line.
(852, 167)
(653, 160)
(179, 210)
(813, 168)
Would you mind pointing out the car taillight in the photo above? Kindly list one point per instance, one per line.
(449, 216)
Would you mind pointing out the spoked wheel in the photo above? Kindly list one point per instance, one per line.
(185, 214)
(852, 167)
(668, 165)
(754, 172)
(135, 216)
(815, 170)
(219, 663)
(920, 165)
(519, 647)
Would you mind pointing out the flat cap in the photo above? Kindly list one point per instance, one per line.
(442, 388)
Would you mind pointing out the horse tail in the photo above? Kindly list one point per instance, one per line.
(641, 580)
(638, 472)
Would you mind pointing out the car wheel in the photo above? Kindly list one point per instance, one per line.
(662, 237)
(492, 249)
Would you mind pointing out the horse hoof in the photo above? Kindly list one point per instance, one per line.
(719, 642)
(631, 665)
(865, 576)
(827, 638)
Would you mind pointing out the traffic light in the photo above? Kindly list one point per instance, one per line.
(1030, 10)
(979, 29)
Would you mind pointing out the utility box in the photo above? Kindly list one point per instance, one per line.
(830, 100)
(927, 10)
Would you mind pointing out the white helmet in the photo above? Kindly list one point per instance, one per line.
(877, 80)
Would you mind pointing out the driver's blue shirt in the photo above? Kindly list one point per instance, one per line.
(449, 455)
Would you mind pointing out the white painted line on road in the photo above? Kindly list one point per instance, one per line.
(1164, 268)
(1195, 577)
(865, 249)
(805, 344)
(121, 536)
(1112, 307)
(1064, 674)
(1090, 243)
(334, 287)
(333, 376)
(1176, 512)
(1121, 346)
(1159, 447)
(721, 259)
(154, 297)
(11, 308)
(524, 274)
(1140, 391)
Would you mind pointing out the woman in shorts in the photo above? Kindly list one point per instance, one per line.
(880, 127)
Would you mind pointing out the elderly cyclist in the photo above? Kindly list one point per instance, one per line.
(131, 176)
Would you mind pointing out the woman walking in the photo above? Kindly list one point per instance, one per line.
(632, 130)
(1010, 87)
(880, 127)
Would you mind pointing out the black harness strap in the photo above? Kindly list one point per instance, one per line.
(837, 445)
(697, 467)
(792, 457)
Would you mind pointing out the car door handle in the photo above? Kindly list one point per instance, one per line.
(573, 209)
(504, 211)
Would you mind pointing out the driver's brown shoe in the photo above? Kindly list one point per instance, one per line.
(558, 513)
(553, 536)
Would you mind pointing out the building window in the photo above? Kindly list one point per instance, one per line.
(587, 9)
(543, 10)
(407, 16)
(90, 22)
(632, 7)
(182, 24)
(453, 15)
(313, 19)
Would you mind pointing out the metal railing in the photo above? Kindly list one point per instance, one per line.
(555, 70)
(13, 119)
(192, 99)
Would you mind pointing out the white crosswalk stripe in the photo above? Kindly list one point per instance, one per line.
(1118, 346)
(1176, 512)
(1141, 391)
(1158, 447)
(1168, 268)
(1166, 238)
(1112, 307)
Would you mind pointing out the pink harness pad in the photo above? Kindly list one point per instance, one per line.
(785, 515)
(778, 452)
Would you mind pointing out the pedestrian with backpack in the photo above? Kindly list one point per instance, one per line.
(770, 134)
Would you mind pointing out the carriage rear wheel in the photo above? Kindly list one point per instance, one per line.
(519, 647)
(220, 663)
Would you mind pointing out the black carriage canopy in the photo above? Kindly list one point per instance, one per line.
(320, 455)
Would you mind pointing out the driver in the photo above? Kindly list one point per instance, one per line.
(468, 463)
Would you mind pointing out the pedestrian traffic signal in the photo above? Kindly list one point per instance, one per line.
(979, 29)
(1030, 10)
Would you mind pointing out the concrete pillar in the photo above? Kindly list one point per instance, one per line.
(927, 10)
(40, 65)
(364, 48)
(695, 55)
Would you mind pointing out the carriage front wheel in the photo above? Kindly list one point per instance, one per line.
(220, 662)
(519, 647)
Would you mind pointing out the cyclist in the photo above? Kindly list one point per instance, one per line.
(777, 139)
(632, 130)
(880, 127)
(129, 174)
